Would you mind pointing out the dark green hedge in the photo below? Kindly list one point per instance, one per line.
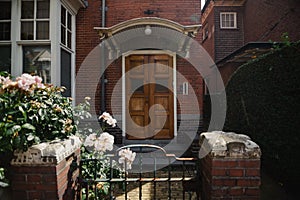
(263, 99)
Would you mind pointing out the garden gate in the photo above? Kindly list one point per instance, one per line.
(155, 174)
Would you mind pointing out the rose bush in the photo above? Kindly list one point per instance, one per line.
(32, 112)
(96, 153)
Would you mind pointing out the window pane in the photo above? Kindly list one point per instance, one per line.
(43, 9)
(63, 35)
(66, 72)
(231, 24)
(231, 17)
(69, 21)
(27, 9)
(223, 19)
(5, 10)
(63, 15)
(37, 61)
(5, 58)
(4, 30)
(27, 31)
(42, 30)
(69, 40)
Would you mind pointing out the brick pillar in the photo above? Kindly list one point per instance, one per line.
(230, 166)
(46, 171)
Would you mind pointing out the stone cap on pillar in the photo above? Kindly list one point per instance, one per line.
(47, 153)
(228, 144)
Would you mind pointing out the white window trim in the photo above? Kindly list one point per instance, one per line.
(68, 30)
(54, 42)
(124, 89)
(71, 50)
(35, 20)
(234, 18)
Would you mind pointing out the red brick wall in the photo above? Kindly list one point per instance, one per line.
(209, 42)
(227, 70)
(45, 181)
(86, 37)
(267, 20)
(183, 12)
(228, 40)
(230, 178)
(195, 80)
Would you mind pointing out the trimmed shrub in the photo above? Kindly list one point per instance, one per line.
(263, 99)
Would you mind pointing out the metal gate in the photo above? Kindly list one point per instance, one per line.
(155, 174)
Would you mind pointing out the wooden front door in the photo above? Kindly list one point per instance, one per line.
(149, 83)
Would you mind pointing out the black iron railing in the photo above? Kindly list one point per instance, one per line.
(169, 177)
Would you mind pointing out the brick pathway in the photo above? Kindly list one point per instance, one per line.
(161, 188)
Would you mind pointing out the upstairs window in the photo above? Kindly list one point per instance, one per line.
(228, 20)
(66, 28)
(5, 20)
(35, 19)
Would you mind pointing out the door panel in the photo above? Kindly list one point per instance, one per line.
(154, 98)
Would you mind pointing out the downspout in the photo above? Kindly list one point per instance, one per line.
(103, 63)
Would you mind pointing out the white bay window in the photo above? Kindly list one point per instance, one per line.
(38, 37)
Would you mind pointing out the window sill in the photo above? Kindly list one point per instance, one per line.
(229, 28)
(66, 48)
(33, 42)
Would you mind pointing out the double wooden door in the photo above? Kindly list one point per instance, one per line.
(149, 97)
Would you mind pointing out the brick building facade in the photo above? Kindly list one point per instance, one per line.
(64, 42)
(250, 28)
(177, 17)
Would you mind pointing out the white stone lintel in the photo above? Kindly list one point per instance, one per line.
(47, 153)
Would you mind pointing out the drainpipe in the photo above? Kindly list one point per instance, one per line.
(103, 63)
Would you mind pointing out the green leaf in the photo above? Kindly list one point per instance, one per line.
(16, 128)
(28, 126)
(23, 112)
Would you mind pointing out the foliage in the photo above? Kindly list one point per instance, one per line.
(32, 112)
(263, 102)
(285, 42)
(97, 164)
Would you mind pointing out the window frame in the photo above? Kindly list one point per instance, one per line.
(68, 28)
(35, 21)
(16, 67)
(8, 21)
(234, 20)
